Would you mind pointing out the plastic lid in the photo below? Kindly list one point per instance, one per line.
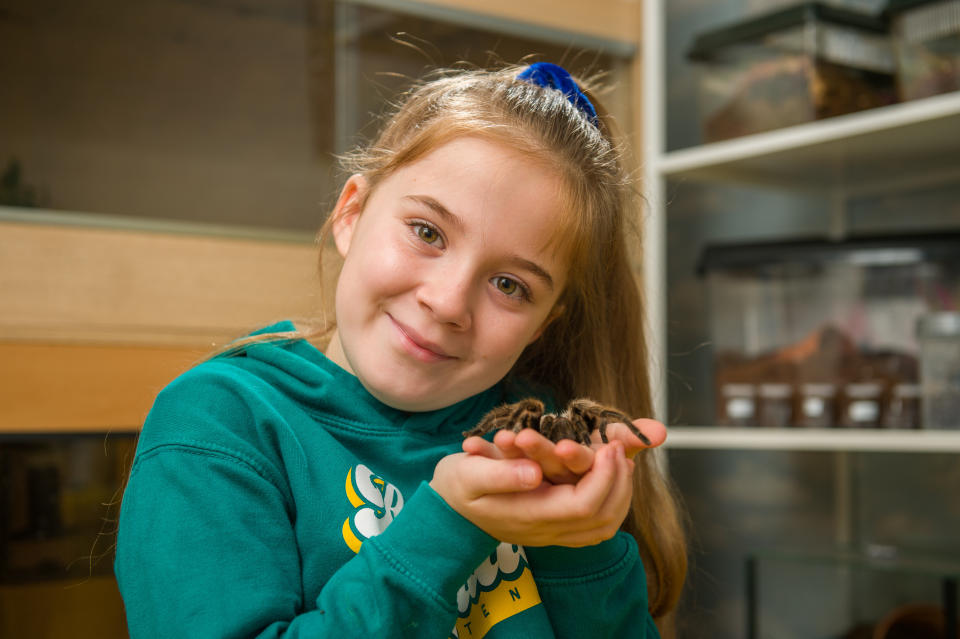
(863, 390)
(822, 389)
(907, 390)
(709, 42)
(866, 251)
(898, 6)
(776, 391)
(943, 324)
(730, 390)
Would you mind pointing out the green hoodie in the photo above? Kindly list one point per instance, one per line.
(272, 495)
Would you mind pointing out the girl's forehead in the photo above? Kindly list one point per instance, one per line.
(467, 171)
(486, 186)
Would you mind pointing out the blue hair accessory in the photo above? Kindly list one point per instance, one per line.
(552, 76)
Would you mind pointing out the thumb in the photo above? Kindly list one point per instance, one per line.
(476, 475)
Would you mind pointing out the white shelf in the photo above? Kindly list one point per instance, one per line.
(852, 150)
(896, 148)
(853, 440)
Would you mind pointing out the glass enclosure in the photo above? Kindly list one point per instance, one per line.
(816, 544)
(59, 500)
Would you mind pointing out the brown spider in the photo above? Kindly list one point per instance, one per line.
(576, 422)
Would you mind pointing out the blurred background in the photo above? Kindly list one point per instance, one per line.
(165, 164)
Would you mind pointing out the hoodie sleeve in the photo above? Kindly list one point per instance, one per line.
(207, 544)
(596, 591)
(206, 549)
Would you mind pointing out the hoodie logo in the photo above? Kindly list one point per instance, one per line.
(377, 502)
(500, 587)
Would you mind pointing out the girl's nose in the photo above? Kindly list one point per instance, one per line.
(446, 296)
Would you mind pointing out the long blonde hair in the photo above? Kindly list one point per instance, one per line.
(596, 347)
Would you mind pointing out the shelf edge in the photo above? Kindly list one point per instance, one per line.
(861, 440)
(811, 134)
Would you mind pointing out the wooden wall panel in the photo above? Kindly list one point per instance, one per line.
(83, 387)
(610, 19)
(72, 283)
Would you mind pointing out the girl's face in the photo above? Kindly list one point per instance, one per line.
(447, 273)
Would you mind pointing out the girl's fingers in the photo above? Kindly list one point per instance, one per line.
(617, 504)
(589, 494)
(576, 457)
(655, 431)
(477, 445)
(505, 442)
(472, 476)
(651, 429)
(562, 463)
(508, 499)
(596, 507)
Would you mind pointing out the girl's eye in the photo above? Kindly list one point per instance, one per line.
(510, 287)
(426, 233)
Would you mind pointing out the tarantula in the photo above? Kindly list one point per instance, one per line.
(576, 422)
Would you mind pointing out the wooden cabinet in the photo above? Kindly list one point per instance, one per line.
(94, 321)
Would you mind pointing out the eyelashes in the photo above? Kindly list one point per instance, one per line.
(427, 233)
(510, 287)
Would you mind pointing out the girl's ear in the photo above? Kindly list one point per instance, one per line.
(347, 212)
(555, 312)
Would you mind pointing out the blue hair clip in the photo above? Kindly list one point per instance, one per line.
(552, 76)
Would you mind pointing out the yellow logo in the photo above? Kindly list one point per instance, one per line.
(377, 502)
(502, 586)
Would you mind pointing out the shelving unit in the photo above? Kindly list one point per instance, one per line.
(795, 488)
(888, 147)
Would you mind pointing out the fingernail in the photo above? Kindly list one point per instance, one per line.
(527, 475)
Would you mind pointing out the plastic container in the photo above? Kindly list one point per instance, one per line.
(927, 44)
(939, 337)
(861, 404)
(793, 65)
(738, 405)
(817, 405)
(903, 407)
(776, 405)
(817, 316)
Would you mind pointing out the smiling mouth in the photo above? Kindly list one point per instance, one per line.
(418, 347)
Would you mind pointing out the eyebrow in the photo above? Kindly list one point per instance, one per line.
(534, 268)
(449, 217)
(436, 207)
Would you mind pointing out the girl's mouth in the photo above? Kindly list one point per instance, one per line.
(420, 348)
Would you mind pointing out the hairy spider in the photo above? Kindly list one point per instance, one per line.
(576, 422)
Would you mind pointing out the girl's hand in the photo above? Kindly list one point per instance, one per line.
(508, 499)
(566, 461)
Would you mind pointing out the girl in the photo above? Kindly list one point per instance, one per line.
(312, 481)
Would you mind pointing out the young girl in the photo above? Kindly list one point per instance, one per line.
(314, 482)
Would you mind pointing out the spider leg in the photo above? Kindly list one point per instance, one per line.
(491, 421)
(526, 414)
(595, 416)
(629, 423)
(517, 416)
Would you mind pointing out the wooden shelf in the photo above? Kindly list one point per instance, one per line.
(859, 149)
(852, 440)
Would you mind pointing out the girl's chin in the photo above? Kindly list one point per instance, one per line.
(416, 400)
(413, 401)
